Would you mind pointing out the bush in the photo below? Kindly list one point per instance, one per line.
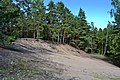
(6, 40)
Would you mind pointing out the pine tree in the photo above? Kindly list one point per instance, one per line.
(8, 21)
(116, 13)
(60, 16)
(51, 20)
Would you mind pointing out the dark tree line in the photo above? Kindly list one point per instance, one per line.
(55, 22)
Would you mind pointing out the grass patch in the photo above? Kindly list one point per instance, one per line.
(18, 70)
(115, 78)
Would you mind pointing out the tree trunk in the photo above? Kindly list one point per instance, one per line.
(91, 45)
(63, 37)
(38, 33)
(34, 33)
(105, 50)
(58, 38)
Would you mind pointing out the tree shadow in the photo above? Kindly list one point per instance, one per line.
(106, 59)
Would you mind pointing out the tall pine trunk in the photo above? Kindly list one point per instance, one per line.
(92, 45)
(38, 32)
(34, 32)
(105, 50)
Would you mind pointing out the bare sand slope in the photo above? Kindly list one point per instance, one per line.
(77, 65)
(86, 68)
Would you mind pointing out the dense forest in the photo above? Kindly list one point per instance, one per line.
(55, 22)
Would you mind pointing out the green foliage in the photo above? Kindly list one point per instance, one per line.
(115, 47)
(115, 78)
(115, 41)
(7, 22)
(56, 23)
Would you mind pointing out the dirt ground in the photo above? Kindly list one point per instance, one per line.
(72, 64)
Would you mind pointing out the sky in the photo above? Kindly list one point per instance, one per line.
(96, 11)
